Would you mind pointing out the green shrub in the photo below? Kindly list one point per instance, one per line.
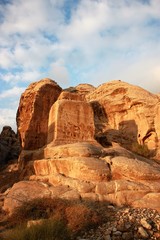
(48, 230)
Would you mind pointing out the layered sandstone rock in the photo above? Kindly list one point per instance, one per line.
(126, 114)
(71, 163)
(91, 172)
(70, 120)
(33, 112)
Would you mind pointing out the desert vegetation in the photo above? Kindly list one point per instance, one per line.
(55, 219)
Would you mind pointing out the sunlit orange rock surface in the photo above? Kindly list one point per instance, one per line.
(79, 142)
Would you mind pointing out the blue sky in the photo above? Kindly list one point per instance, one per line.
(76, 41)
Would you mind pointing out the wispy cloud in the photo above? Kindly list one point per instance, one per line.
(8, 118)
(79, 41)
(11, 92)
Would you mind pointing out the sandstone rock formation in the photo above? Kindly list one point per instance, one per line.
(126, 114)
(86, 171)
(85, 88)
(70, 120)
(9, 145)
(70, 161)
(33, 112)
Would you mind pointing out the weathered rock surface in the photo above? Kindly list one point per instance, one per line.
(9, 145)
(84, 88)
(68, 156)
(126, 114)
(96, 174)
(70, 120)
(33, 113)
(24, 191)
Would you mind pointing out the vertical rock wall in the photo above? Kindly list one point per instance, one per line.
(71, 120)
(33, 112)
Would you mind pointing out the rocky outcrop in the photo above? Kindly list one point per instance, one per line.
(91, 172)
(126, 114)
(70, 161)
(9, 145)
(82, 89)
(85, 88)
(33, 113)
(70, 120)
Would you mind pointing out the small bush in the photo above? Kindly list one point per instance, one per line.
(38, 209)
(77, 215)
(81, 217)
(48, 230)
(141, 150)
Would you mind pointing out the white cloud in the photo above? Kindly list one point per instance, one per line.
(14, 92)
(26, 17)
(26, 76)
(8, 118)
(59, 72)
(6, 58)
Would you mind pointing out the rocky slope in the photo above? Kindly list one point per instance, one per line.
(74, 144)
(126, 224)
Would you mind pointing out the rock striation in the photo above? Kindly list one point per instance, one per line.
(70, 120)
(74, 144)
(33, 112)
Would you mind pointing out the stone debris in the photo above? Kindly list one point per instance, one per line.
(127, 224)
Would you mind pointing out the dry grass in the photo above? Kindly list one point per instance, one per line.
(47, 230)
(75, 216)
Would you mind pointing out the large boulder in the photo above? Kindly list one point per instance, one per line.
(24, 191)
(71, 120)
(126, 114)
(33, 113)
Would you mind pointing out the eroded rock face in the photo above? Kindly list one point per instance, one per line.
(91, 172)
(70, 120)
(85, 88)
(126, 114)
(9, 145)
(72, 163)
(33, 112)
